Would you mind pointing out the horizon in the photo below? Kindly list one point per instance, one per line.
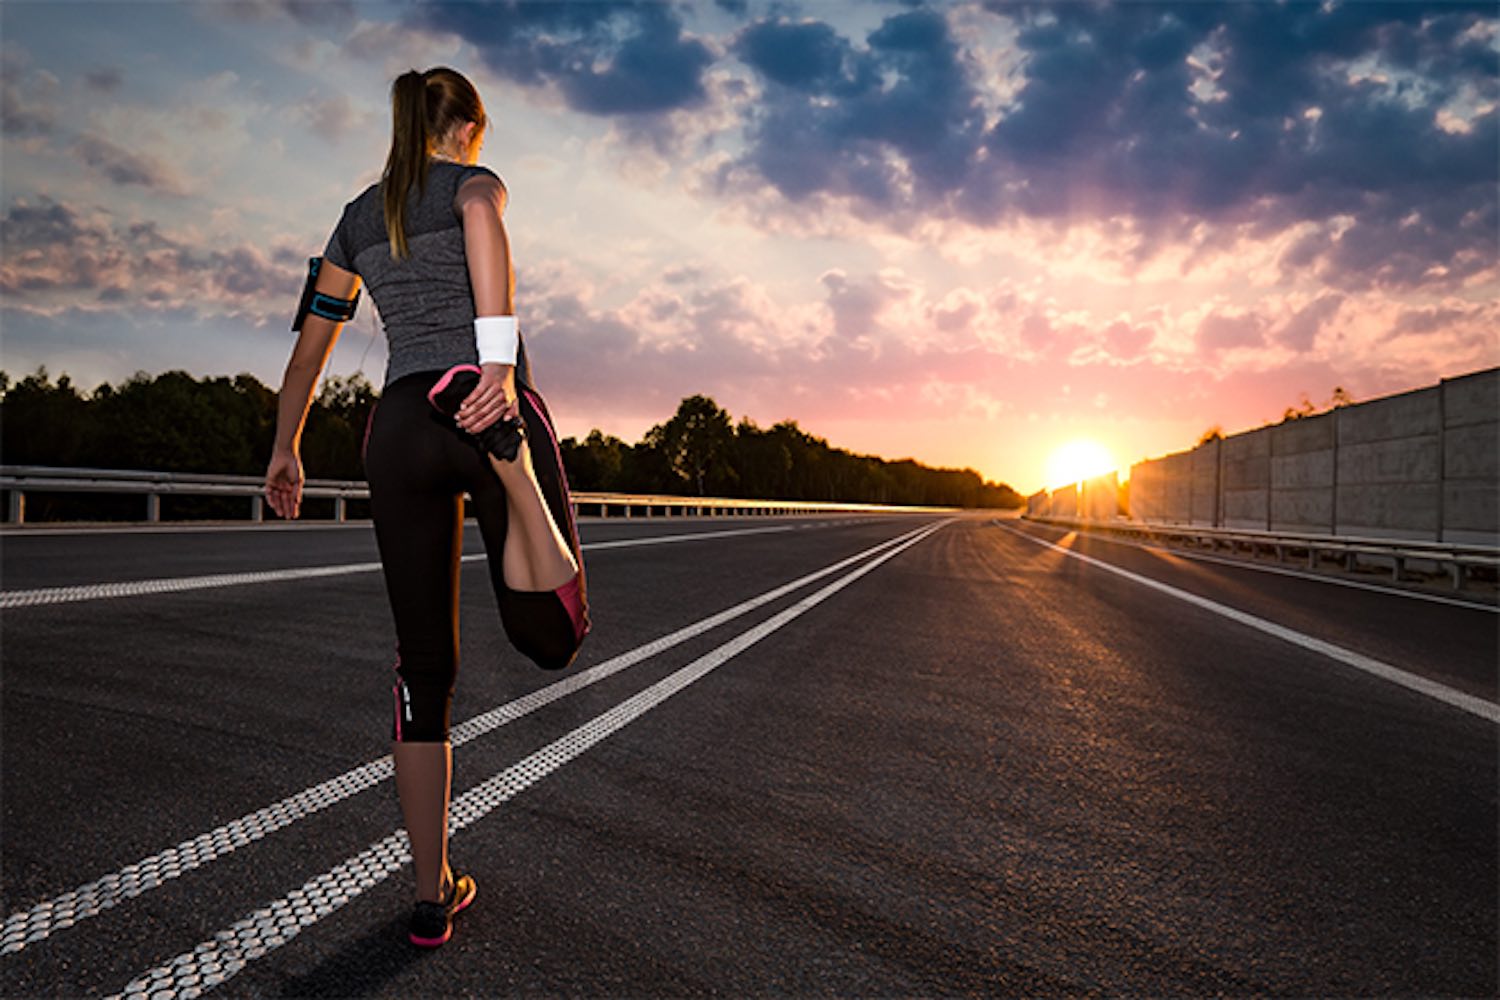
(967, 235)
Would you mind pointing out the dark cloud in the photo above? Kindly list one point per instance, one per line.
(19, 118)
(604, 58)
(1255, 116)
(891, 124)
(1301, 331)
(106, 79)
(20, 115)
(123, 166)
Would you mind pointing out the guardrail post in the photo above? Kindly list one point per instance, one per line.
(153, 507)
(338, 509)
(257, 508)
(16, 509)
(627, 510)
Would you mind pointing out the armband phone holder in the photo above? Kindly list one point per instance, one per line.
(318, 303)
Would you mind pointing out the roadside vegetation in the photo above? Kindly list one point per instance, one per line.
(174, 422)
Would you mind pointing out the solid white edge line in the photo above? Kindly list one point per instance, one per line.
(1289, 571)
(171, 585)
(27, 927)
(1458, 699)
(214, 961)
(28, 531)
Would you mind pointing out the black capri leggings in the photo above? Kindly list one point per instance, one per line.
(419, 465)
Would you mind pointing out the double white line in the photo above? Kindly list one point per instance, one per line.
(267, 928)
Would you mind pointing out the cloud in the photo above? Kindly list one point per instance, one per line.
(330, 117)
(1371, 129)
(613, 58)
(106, 79)
(1221, 331)
(58, 252)
(312, 13)
(893, 124)
(23, 114)
(1300, 332)
(124, 167)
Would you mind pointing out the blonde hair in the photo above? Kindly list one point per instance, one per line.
(425, 107)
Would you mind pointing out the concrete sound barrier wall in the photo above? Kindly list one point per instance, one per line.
(1421, 465)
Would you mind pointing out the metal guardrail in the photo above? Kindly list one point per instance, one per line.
(18, 480)
(1457, 559)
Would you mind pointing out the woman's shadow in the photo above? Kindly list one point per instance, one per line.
(361, 967)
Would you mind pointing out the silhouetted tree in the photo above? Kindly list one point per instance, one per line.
(696, 442)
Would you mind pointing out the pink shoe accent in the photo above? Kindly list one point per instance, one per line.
(442, 383)
(422, 942)
(572, 600)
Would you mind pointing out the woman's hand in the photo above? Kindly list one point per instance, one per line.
(493, 399)
(284, 483)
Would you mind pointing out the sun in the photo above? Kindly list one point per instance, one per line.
(1078, 460)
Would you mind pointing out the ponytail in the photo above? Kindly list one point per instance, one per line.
(407, 162)
(424, 107)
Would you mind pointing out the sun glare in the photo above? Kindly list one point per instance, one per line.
(1076, 461)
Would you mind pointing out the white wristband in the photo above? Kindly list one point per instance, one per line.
(495, 336)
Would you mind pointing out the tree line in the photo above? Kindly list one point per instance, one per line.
(174, 422)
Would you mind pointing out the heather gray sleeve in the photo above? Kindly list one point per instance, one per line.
(337, 251)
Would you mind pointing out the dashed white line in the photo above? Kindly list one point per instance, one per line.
(269, 927)
(27, 927)
(1458, 699)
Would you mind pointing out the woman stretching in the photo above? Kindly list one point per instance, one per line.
(458, 414)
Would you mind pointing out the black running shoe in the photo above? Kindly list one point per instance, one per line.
(432, 923)
(502, 438)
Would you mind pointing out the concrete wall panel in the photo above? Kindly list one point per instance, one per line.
(1101, 498)
(1308, 511)
(1310, 434)
(1472, 451)
(1404, 460)
(1245, 508)
(1472, 399)
(1471, 512)
(1065, 502)
(1203, 501)
(1407, 415)
(1245, 460)
(1380, 511)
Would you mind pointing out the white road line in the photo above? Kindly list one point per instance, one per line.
(1298, 573)
(231, 527)
(26, 927)
(172, 585)
(268, 928)
(1458, 699)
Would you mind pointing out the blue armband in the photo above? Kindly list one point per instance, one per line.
(319, 304)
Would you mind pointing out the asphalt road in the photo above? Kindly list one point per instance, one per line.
(957, 760)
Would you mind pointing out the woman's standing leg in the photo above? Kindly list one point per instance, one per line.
(417, 511)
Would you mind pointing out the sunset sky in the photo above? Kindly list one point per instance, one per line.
(964, 233)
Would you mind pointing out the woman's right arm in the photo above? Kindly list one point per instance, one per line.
(314, 344)
(480, 203)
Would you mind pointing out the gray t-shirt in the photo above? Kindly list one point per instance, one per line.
(426, 302)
